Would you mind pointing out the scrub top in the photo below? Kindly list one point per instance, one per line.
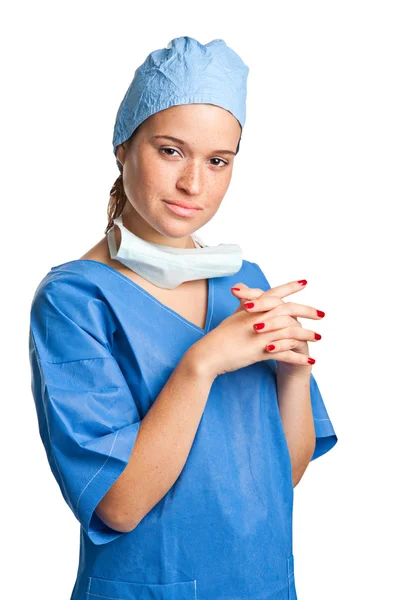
(101, 349)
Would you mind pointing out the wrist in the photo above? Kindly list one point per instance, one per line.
(198, 361)
(296, 371)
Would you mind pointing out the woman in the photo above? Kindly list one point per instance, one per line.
(177, 417)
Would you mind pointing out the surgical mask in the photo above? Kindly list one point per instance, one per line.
(168, 267)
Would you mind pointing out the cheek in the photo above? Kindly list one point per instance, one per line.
(154, 176)
(219, 187)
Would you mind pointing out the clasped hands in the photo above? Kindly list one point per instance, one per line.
(277, 320)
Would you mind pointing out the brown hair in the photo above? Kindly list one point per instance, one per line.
(118, 196)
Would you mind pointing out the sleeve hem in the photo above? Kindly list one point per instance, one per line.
(114, 465)
(325, 437)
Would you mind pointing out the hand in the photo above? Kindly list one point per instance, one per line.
(236, 343)
(291, 325)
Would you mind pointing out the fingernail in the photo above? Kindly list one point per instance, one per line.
(258, 326)
(249, 304)
(311, 361)
(318, 336)
(302, 281)
(320, 313)
(270, 347)
(237, 289)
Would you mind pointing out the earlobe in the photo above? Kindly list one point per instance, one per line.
(121, 153)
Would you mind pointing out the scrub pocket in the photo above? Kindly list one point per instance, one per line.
(122, 590)
(290, 578)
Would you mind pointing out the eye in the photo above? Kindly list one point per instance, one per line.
(223, 161)
(168, 150)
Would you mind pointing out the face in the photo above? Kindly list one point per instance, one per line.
(194, 168)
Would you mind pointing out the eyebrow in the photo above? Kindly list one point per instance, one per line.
(174, 139)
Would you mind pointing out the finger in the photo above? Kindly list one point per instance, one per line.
(287, 288)
(289, 356)
(248, 295)
(281, 290)
(243, 292)
(261, 304)
(272, 324)
(284, 308)
(295, 333)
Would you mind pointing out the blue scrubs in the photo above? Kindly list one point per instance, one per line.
(101, 350)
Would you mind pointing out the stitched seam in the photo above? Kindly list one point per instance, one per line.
(95, 475)
(98, 596)
(48, 428)
(64, 362)
(210, 309)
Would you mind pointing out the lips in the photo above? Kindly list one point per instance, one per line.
(181, 211)
(184, 204)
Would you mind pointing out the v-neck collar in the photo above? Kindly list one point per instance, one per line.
(210, 293)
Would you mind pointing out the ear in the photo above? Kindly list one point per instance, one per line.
(121, 153)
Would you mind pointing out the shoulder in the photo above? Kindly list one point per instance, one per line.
(65, 285)
(69, 305)
(253, 275)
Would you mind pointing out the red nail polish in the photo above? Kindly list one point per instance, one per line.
(237, 289)
(258, 326)
(318, 336)
(270, 347)
(249, 304)
(302, 281)
(311, 361)
(320, 313)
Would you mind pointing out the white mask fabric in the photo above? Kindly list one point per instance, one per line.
(168, 267)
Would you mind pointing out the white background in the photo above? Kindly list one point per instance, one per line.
(312, 196)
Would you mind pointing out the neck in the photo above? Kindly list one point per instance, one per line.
(137, 225)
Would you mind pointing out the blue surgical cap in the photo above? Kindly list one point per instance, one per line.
(185, 72)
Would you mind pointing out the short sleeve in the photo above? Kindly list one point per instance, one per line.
(87, 417)
(325, 435)
(324, 431)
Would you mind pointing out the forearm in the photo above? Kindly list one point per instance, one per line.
(161, 448)
(296, 413)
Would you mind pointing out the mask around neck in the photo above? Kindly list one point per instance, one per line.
(168, 267)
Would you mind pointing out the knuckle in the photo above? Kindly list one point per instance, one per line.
(277, 300)
(273, 300)
(290, 332)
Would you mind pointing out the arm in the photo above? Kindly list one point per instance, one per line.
(162, 446)
(296, 413)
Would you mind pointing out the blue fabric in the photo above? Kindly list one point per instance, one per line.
(101, 350)
(185, 72)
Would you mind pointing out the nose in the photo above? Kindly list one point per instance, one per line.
(190, 179)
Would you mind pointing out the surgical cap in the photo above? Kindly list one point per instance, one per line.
(185, 72)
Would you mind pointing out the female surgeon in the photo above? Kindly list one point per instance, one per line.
(173, 386)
